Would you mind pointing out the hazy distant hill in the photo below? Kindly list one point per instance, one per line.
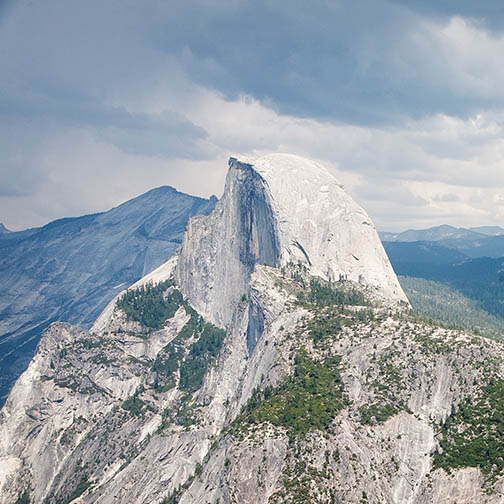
(490, 246)
(478, 279)
(422, 253)
(488, 230)
(437, 233)
(456, 276)
(484, 241)
(438, 301)
(69, 269)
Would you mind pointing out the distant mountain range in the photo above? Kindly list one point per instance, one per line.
(483, 241)
(442, 232)
(69, 269)
(469, 261)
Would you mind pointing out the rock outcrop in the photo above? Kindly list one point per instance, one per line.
(264, 364)
(277, 210)
(71, 268)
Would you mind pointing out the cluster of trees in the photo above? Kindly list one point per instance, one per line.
(134, 405)
(168, 360)
(330, 321)
(308, 400)
(329, 325)
(380, 412)
(201, 354)
(438, 302)
(481, 279)
(194, 361)
(326, 294)
(473, 434)
(149, 305)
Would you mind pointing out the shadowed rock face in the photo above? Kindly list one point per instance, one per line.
(69, 269)
(220, 251)
(276, 210)
(301, 399)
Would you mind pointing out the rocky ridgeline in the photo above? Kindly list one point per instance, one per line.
(71, 268)
(290, 380)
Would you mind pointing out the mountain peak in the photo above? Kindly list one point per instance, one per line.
(3, 229)
(275, 210)
(288, 169)
(321, 226)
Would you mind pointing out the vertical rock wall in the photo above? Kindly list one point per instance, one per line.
(219, 252)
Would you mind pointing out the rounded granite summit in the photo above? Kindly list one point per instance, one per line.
(275, 210)
(319, 224)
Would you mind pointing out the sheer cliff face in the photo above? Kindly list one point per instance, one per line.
(219, 252)
(276, 210)
(316, 391)
(321, 226)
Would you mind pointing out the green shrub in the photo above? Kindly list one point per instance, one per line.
(308, 400)
(473, 434)
(134, 405)
(24, 498)
(381, 413)
(81, 487)
(325, 325)
(149, 305)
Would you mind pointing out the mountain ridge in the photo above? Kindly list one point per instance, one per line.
(442, 232)
(307, 388)
(70, 268)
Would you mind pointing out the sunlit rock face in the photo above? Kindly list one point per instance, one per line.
(318, 390)
(276, 210)
(69, 269)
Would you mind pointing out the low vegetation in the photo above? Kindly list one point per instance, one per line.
(330, 321)
(24, 498)
(133, 405)
(202, 353)
(379, 412)
(308, 400)
(473, 434)
(193, 361)
(322, 293)
(150, 304)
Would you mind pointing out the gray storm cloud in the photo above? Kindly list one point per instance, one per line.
(128, 96)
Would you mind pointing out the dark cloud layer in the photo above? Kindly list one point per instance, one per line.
(363, 62)
(126, 95)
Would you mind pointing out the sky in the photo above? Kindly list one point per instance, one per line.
(403, 101)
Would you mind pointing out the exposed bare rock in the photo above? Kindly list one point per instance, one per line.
(277, 210)
(321, 388)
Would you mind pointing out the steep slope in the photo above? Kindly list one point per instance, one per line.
(311, 390)
(70, 269)
(439, 302)
(277, 210)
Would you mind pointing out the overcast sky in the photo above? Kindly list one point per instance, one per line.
(103, 100)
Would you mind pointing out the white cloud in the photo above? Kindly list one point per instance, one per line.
(469, 57)
(89, 127)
